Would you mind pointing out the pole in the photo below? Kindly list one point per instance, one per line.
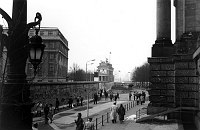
(86, 72)
(87, 104)
(15, 100)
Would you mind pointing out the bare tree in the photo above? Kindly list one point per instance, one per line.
(141, 74)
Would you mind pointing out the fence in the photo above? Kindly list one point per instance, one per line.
(141, 112)
(101, 120)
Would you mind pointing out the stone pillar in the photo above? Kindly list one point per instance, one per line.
(163, 20)
(163, 44)
(162, 90)
(186, 81)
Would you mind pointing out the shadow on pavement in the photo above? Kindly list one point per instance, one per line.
(45, 127)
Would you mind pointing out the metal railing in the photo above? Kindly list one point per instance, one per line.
(141, 112)
(101, 120)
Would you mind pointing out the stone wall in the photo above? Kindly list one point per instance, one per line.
(162, 90)
(48, 92)
(186, 81)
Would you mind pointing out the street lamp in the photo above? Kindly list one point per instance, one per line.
(86, 68)
(129, 76)
(15, 104)
(36, 50)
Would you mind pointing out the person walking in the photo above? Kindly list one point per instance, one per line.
(121, 112)
(51, 113)
(130, 96)
(89, 125)
(77, 101)
(46, 112)
(111, 97)
(81, 98)
(113, 113)
(70, 101)
(79, 122)
(57, 106)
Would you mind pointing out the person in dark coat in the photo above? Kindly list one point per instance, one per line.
(79, 122)
(121, 113)
(81, 98)
(46, 113)
(70, 102)
(57, 105)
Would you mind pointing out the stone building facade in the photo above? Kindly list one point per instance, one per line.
(54, 66)
(174, 67)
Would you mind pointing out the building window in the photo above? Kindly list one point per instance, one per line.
(41, 33)
(51, 45)
(51, 70)
(51, 55)
(50, 33)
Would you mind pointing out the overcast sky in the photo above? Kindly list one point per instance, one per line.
(94, 28)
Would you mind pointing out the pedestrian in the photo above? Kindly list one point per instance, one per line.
(70, 101)
(105, 94)
(134, 95)
(111, 97)
(81, 98)
(57, 105)
(144, 96)
(130, 96)
(117, 95)
(77, 101)
(89, 125)
(79, 122)
(51, 113)
(115, 98)
(95, 98)
(121, 113)
(46, 112)
(113, 113)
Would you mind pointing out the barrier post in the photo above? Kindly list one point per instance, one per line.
(107, 117)
(102, 120)
(96, 123)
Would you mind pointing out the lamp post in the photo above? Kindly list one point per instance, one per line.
(15, 100)
(129, 76)
(86, 68)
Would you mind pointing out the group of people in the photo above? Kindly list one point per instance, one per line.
(89, 125)
(117, 111)
(140, 97)
(81, 125)
(114, 96)
(79, 101)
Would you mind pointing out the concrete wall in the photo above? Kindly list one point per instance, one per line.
(48, 92)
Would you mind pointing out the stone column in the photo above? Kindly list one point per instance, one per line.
(163, 21)
(163, 44)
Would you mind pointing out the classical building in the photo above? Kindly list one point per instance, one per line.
(54, 66)
(105, 72)
(174, 68)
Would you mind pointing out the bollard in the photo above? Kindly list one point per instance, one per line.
(125, 107)
(107, 117)
(96, 124)
(102, 120)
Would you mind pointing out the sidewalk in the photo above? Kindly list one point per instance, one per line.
(130, 124)
(65, 120)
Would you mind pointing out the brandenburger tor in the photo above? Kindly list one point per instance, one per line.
(175, 67)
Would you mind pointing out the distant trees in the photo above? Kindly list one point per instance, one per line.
(141, 74)
(77, 74)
